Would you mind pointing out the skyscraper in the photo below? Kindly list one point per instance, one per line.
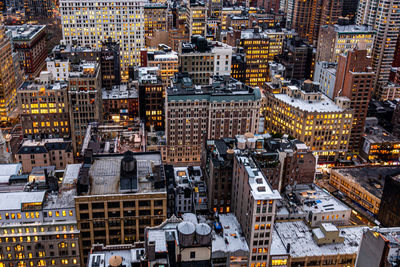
(8, 86)
(91, 22)
(354, 79)
(384, 17)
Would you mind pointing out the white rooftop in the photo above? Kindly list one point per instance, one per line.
(231, 238)
(128, 256)
(14, 201)
(302, 244)
(71, 174)
(260, 188)
(6, 170)
(42, 142)
(324, 105)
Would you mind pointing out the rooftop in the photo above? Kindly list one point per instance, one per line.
(115, 255)
(7, 170)
(42, 87)
(371, 178)
(14, 201)
(351, 29)
(302, 244)
(230, 238)
(25, 32)
(122, 91)
(257, 33)
(222, 88)
(44, 146)
(260, 188)
(107, 176)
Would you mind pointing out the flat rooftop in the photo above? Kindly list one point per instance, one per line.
(32, 86)
(124, 255)
(323, 105)
(105, 174)
(122, 91)
(25, 32)
(231, 238)
(371, 178)
(6, 170)
(14, 201)
(302, 244)
(260, 188)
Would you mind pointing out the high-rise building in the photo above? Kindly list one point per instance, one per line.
(260, 47)
(297, 58)
(29, 41)
(8, 82)
(306, 17)
(338, 39)
(43, 107)
(202, 59)
(389, 209)
(350, 9)
(222, 109)
(40, 9)
(155, 18)
(311, 117)
(151, 98)
(214, 9)
(121, 103)
(118, 197)
(384, 17)
(354, 80)
(85, 99)
(325, 75)
(254, 204)
(92, 22)
(196, 18)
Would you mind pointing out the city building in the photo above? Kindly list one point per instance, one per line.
(196, 18)
(238, 68)
(8, 88)
(122, 21)
(202, 59)
(43, 107)
(307, 17)
(177, 35)
(387, 91)
(310, 117)
(39, 228)
(190, 190)
(40, 9)
(229, 246)
(155, 18)
(260, 47)
(116, 255)
(355, 80)
(46, 152)
(254, 206)
(29, 41)
(163, 58)
(226, 11)
(338, 39)
(363, 184)
(222, 109)
(179, 243)
(108, 56)
(376, 14)
(379, 247)
(379, 146)
(297, 58)
(118, 197)
(389, 209)
(85, 99)
(151, 98)
(121, 103)
(312, 204)
(294, 244)
(275, 69)
(325, 75)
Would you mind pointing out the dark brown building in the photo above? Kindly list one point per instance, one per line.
(121, 103)
(389, 210)
(29, 41)
(355, 79)
(151, 98)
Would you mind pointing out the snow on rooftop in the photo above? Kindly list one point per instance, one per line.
(14, 201)
(231, 238)
(6, 170)
(302, 244)
(71, 173)
(158, 237)
(324, 105)
(260, 188)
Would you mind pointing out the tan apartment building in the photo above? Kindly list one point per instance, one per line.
(155, 18)
(196, 18)
(119, 196)
(43, 107)
(85, 99)
(222, 109)
(310, 117)
(253, 202)
(57, 152)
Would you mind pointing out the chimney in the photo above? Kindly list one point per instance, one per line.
(151, 251)
(46, 176)
(288, 248)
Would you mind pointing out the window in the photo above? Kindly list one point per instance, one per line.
(192, 254)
